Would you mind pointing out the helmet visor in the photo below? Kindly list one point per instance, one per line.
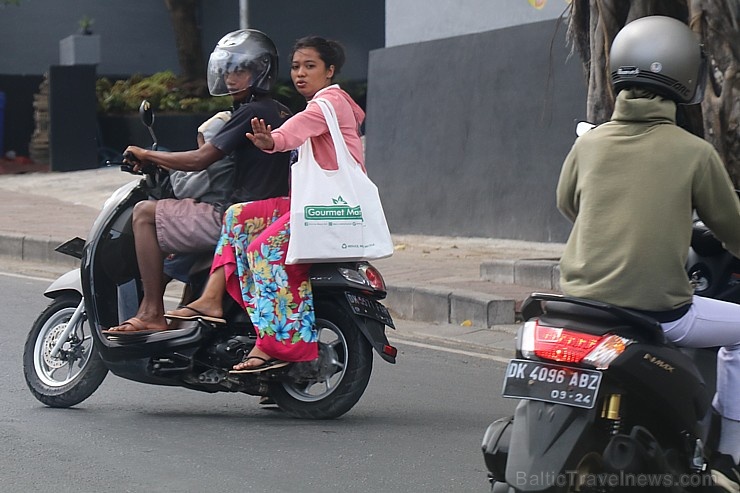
(228, 73)
(701, 80)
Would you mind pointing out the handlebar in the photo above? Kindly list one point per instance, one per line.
(130, 161)
(127, 167)
(154, 179)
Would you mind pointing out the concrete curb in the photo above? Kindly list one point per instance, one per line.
(28, 248)
(441, 305)
(537, 273)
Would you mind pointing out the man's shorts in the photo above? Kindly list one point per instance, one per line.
(185, 226)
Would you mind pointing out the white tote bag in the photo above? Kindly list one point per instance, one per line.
(335, 215)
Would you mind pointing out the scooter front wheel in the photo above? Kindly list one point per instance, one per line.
(72, 375)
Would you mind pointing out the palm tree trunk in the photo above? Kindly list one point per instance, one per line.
(184, 15)
(593, 24)
(717, 22)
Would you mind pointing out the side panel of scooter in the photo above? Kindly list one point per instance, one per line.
(665, 378)
(547, 440)
(326, 276)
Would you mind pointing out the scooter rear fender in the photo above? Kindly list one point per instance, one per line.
(546, 439)
(372, 329)
(374, 332)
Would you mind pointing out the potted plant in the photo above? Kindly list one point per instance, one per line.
(82, 48)
(177, 114)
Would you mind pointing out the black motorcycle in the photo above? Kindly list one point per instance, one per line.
(606, 403)
(66, 357)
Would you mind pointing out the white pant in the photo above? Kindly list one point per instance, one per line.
(711, 323)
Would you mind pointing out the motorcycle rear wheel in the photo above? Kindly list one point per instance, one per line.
(76, 372)
(350, 357)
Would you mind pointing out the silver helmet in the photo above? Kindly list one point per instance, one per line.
(247, 49)
(660, 54)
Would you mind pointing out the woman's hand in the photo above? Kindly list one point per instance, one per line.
(261, 135)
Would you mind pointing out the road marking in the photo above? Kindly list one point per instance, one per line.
(500, 359)
(24, 276)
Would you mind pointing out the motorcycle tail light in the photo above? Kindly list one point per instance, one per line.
(558, 344)
(353, 275)
(373, 276)
(569, 346)
(607, 351)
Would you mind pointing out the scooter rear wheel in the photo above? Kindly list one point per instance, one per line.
(76, 372)
(346, 359)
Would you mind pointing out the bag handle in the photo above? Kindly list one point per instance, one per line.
(305, 149)
(336, 134)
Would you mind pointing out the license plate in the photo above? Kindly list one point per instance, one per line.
(369, 308)
(547, 382)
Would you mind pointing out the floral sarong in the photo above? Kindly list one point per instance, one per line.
(277, 297)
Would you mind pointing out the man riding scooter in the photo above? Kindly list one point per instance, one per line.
(630, 187)
(244, 64)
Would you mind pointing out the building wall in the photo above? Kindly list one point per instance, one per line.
(413, 21)
(359, 26)
(136, 37)
(466, 135)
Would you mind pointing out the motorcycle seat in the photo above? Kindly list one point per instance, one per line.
(594, 316)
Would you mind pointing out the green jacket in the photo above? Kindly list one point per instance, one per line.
(630, 186)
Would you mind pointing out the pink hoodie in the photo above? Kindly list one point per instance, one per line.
(310, 123)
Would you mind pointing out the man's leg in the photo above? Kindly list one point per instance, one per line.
(151, 263)
(150, 259)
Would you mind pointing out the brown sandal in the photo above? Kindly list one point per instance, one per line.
(199, 315)
(267, 364)
(139, 328)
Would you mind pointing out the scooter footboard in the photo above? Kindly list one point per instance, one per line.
(547, 442)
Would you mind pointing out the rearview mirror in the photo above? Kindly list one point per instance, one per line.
(147, 118)
(582, 127)
(146, 113)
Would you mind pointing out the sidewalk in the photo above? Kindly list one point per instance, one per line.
(466, 290)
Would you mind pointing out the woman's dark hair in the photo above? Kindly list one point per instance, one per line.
(330, 51)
